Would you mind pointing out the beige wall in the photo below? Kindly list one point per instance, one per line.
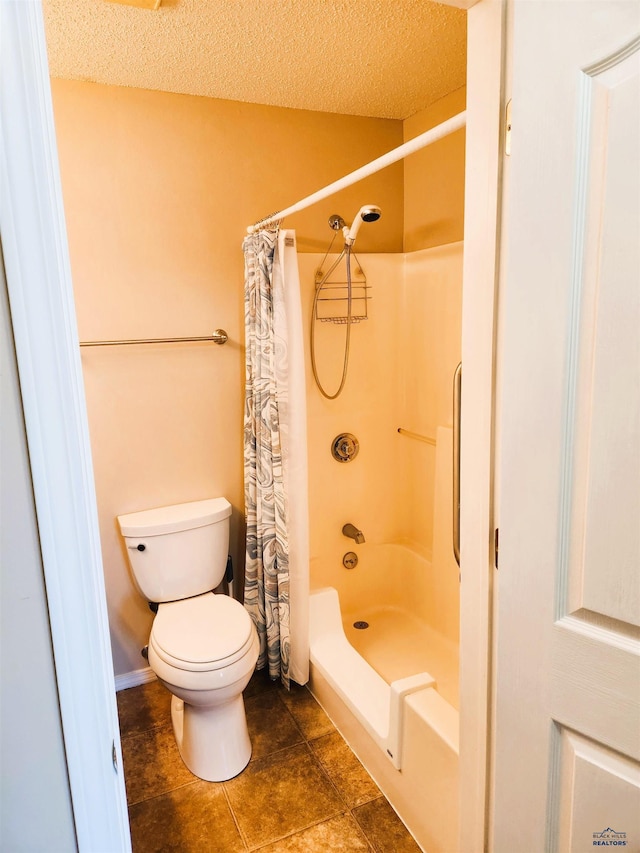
(434, 179)
(158, 191)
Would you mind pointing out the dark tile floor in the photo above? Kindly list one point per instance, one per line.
(304, 790)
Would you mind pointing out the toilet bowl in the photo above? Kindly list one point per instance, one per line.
(203, 646)
(204, 650)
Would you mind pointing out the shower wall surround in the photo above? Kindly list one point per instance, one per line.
(400, 375)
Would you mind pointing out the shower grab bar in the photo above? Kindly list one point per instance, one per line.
(218, 337)
(457, 399)
(426, 438)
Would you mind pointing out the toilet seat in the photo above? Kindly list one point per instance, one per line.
(202, 634)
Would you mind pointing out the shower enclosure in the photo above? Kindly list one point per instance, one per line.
(391, 689)
(392, 686)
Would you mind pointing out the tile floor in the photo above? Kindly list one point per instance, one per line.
(304, 790)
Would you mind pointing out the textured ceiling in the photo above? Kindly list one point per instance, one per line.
(384, 58)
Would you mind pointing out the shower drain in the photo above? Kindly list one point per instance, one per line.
(361, 624)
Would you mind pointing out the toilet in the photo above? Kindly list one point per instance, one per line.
(203, 646)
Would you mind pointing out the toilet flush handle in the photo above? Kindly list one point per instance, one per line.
(139, 547)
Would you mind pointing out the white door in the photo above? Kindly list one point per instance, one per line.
(567, 687)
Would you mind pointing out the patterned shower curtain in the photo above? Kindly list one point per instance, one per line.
(272, 482)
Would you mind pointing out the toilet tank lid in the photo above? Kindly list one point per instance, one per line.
(171, 519)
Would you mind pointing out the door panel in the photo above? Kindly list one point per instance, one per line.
(606, 489)
(594, 784)
(594, 683)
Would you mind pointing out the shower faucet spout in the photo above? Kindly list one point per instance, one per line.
(353, 533)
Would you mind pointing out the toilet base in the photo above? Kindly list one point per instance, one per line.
(213, 741)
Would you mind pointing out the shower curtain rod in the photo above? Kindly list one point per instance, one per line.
(399, 153)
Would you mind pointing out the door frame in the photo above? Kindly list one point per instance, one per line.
(486, 64)
(36, 255)
(34, 241)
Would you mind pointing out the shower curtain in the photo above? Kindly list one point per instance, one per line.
(276, 590)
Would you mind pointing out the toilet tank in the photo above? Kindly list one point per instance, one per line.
(178, 551)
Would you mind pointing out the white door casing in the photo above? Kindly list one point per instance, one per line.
(483, 174)
(566, 773)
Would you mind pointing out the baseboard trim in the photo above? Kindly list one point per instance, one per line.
(135, 678)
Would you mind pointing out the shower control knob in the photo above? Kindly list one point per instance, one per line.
(344, 447)
(350, 560)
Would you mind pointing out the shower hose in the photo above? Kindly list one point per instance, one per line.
(346, 252)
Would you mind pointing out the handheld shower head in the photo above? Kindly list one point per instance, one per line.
(367, 213)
